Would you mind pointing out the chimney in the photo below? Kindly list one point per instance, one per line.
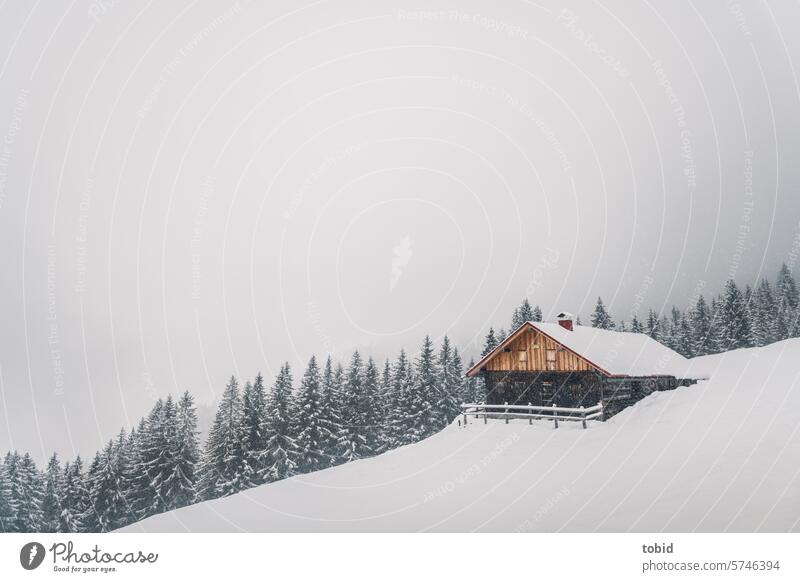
(565, 320)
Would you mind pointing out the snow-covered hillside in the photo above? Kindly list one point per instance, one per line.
(721, 455)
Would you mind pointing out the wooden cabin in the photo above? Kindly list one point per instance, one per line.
(573, 365)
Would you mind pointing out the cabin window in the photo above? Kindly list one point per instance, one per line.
(551, 359)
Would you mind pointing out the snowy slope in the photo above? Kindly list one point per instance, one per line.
(718, 456)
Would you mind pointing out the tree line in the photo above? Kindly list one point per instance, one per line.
(735, 318)
(335, 414)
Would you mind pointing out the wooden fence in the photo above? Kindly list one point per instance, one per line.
(554, 413)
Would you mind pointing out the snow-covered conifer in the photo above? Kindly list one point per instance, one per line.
(281, 447)
(600, 317)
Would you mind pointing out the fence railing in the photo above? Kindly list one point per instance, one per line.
(554, 413)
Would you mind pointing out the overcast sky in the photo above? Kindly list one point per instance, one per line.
(190, 191)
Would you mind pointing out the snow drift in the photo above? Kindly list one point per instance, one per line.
(721, 455)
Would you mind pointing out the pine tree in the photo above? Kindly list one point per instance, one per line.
(787, 299)
(223, 469)
(700, 322)
(385, 403)
(371, 418)
(353, 443)
(126, 471)
(73, 498)
(8, 509)
(309, 425)
(522, 314)
(537, 314)
(51, 500)
(733, 319)
(448, 393)
(26, 491)
(474, 391)
(683, 339)
(281, 447)
(158, 457)
(458, 387)
(108, 509)
(600, 318)
(330, 421)
(670, 335)
(651, 328)
(636, 325)
(717, 339)
(185, 455)
(421, 411)
(254, 421)
(490, 343)
(400, 421)
(763, 312)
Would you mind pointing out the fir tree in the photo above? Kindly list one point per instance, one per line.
(651, 327)
(522, 314)
(449, 396)
(763, 315)
(401, 421)
(787, 299)
(330, 422)
(636, 325)
(281, 447)
(185, 455)
(600, 318)
(223, 468)
(423, 421)
(682, 336)
(371, 419)
(700, 318)
(108, 506)
(73, 498)
(51, 501)
(537, 314)
(158, 460)
(254, 421)
(309, 425)
(26, 492)
(474, 391)
(8, 509)
(733, 319)
(352, 441)
(490, 343)
(385, 403)
(458, 387)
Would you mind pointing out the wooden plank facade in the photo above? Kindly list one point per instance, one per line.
(532, 351)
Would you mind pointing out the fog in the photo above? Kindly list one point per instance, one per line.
(190, 190)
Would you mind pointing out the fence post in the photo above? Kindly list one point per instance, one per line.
(602, 411)
(530, 412)
(583, 416)
(465, 417)
(506, 403)
(555, 415)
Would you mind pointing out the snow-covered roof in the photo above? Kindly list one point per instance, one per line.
(614, 352)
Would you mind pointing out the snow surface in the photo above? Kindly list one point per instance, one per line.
(721, 455)
(618, 352)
